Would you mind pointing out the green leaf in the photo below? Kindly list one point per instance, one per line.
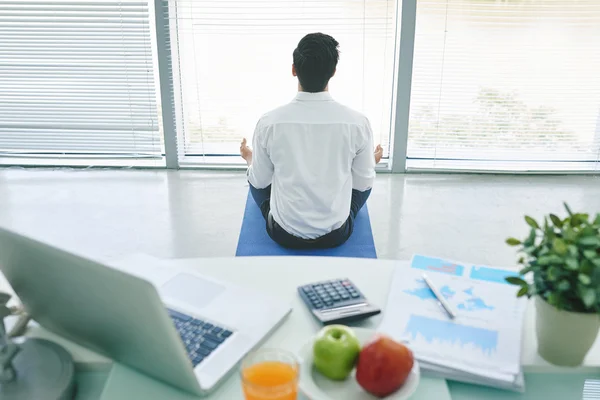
(572, 264)
(586, 267)
(583, 217)
(564, 285)
(569, 234)
(597, 220)
(521, 260)
(544, 251)
(529, 250)
(543, 261)
(523, 291)
(532, 222)
(573, 250)
(515, 280)
(553, 273)
(568, 209)
(551, 259)
(589, 241)
(530, 239)
(590, 254)
(596, 262)
(588, 296)
(553, 298)
(556, 221)
(584, 279)
(554, 259)
(525, 270)
(513, 242)
(588, 231)
(559, 246)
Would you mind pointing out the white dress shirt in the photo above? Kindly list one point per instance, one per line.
(313, 151)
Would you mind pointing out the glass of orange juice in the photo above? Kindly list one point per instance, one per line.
(270, 374)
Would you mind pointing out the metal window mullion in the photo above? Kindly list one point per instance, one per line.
(403, 85)
(166, 84)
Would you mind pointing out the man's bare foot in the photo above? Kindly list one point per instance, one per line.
(378, 153)
(246, 152)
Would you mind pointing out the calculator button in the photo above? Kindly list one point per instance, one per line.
(354, 295)
(307, 289)
(345, 296)
(226, 334)
(336, 297)
(328, 303)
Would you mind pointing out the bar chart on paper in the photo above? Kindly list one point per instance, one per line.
(439, 335)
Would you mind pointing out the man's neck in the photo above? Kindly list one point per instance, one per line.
(302, 90)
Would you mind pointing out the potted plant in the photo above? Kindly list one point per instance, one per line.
(562, 256)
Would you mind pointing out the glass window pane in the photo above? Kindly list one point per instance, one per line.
(506, 85)
(235, 62)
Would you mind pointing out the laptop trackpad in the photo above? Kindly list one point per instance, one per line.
(192, 290)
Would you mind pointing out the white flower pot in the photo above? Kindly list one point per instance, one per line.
(564, 338)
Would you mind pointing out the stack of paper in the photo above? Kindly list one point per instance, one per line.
(482, 345)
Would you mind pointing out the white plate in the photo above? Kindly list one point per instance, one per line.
(317, 387)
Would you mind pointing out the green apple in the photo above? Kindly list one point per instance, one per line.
(335, 351)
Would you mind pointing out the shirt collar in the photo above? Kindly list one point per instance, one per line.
(321, 96)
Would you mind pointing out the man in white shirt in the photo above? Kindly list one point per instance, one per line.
(312, 166)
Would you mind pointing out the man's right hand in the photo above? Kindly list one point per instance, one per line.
(246, 152)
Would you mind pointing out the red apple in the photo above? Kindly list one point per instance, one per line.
(383, 366)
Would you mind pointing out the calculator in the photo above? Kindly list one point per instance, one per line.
(336, 301)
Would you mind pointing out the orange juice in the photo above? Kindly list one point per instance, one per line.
(270, 380)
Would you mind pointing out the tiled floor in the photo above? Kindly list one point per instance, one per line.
(111, 213)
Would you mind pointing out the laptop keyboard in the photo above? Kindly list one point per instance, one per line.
(199, 338)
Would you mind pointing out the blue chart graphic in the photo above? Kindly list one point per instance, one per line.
(465, 300)
(433, 330)
(424, 293)
(437, 265)
(491, 274)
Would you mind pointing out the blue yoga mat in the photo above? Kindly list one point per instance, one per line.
(254, 240)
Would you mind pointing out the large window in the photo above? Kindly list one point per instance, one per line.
(77, 80)
(477, 85)
(508, 85)
(235, 58)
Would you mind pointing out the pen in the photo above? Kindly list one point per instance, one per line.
(441, 299)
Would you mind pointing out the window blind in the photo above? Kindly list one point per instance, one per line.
(233, 60)
(77, 78)
(508, 85)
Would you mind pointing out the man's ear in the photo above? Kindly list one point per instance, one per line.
(294, 70)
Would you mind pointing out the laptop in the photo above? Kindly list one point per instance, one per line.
(183, 328)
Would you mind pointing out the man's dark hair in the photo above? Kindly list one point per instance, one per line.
(315, 60)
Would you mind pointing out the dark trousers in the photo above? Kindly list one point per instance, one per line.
(262, 197)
